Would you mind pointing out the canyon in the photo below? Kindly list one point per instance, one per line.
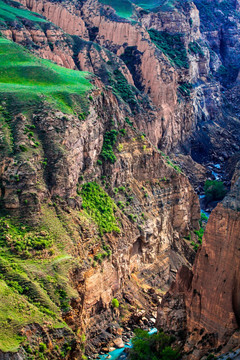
(110, 126)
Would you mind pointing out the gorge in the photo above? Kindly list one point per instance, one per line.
(119, 132)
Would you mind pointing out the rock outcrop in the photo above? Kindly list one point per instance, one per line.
(206, 300)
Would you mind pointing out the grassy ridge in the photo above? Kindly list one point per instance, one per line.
(32, 79)
(124, 8)
(10, 14)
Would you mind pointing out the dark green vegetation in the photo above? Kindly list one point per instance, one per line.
(214, 190)
(109, 140)
(227, 75)
(154, 347)
(121, 87)
(27, 81)
(195, 48)
(202, 223)
(172, 46)
(184, 89)
(198, 233)
(100, 207)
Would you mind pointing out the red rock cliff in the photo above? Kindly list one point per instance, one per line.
(207, 299)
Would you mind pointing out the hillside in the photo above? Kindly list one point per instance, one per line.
(113, 114)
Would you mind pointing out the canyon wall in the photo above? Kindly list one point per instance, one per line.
(206, 298)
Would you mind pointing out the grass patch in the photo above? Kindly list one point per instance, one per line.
(26, 81)
(172, 46)
(14, 14)
(123, 8)
(15, 312)
(98, 204)
(33, 289)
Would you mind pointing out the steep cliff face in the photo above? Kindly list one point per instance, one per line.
(103, 208)
(191, 111)
(151, 71)
(206, 299)
(108, 214)
(68, 18)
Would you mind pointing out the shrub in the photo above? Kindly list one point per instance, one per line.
(172, 46)
(214, 190)
(123, 132)
(109, 140)
(98, 204)
(195, 48)
(22, 241)
(115, 303)
(42, 347)
(122, 87)
(154, 347)
(130, 123)
(184, 89)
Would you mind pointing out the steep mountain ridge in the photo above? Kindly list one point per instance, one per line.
(108, 213)
(151, 67)
(52, 160)
(192, 109)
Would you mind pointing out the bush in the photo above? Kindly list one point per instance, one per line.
(184, 89)
(172, 46)
(195, 48)
(109, 140)
(115, 303)
(122, 87)
(214, 190)
(99, 206)
(42, 347)
(154, 347)
(23, 241)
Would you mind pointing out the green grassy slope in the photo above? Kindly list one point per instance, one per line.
(31, 79)
(33, 277)
(124, 8)
(10, 14)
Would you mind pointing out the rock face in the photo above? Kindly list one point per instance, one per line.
(206, 299)
(149, 103)
(151, 71)
(155, 207)
(178, 122)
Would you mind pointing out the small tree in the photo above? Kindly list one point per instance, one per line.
(214, 190)
(154, 347)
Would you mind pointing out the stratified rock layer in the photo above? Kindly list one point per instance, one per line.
(206, 300)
